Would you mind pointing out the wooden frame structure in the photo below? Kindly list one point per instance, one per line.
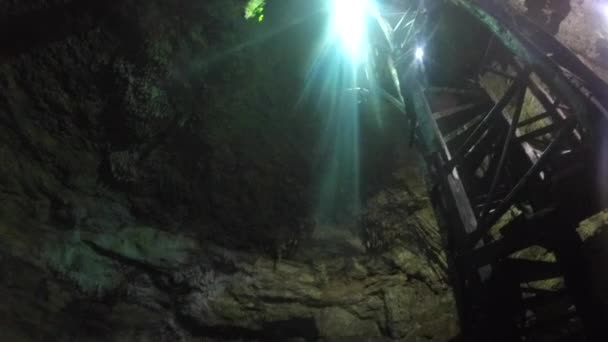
(511, 161)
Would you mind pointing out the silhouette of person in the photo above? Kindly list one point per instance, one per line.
(534, 10)
(548, 13)
(559, 11)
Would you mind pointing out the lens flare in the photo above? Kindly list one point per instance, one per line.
(349, 25)
(333, 85)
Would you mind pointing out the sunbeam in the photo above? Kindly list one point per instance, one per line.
(332, 85)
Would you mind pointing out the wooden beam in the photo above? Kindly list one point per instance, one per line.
(538, 133)
(454, 110)
(488, 222)
(485, 123)
(505, 151)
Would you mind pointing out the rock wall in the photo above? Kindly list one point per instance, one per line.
(581, 25)
(156, 178)
(142, 284)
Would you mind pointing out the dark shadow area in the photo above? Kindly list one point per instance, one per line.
(272, 331)
(23, 33)
(548, 14)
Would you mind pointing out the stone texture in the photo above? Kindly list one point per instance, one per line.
(339, 323)
(115, 286)
(579, 25)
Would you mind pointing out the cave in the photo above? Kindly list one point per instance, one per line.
(303, 170)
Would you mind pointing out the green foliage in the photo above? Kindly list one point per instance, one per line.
(255, 9)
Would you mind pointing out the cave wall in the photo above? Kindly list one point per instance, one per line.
(581, 25)
(184, 113)
(156, 160)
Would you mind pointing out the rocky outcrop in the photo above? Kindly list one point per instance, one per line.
(139, 282)
(402, 216)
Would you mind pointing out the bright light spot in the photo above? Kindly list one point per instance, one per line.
(419, 54)
(603, 9)
(349, 25)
